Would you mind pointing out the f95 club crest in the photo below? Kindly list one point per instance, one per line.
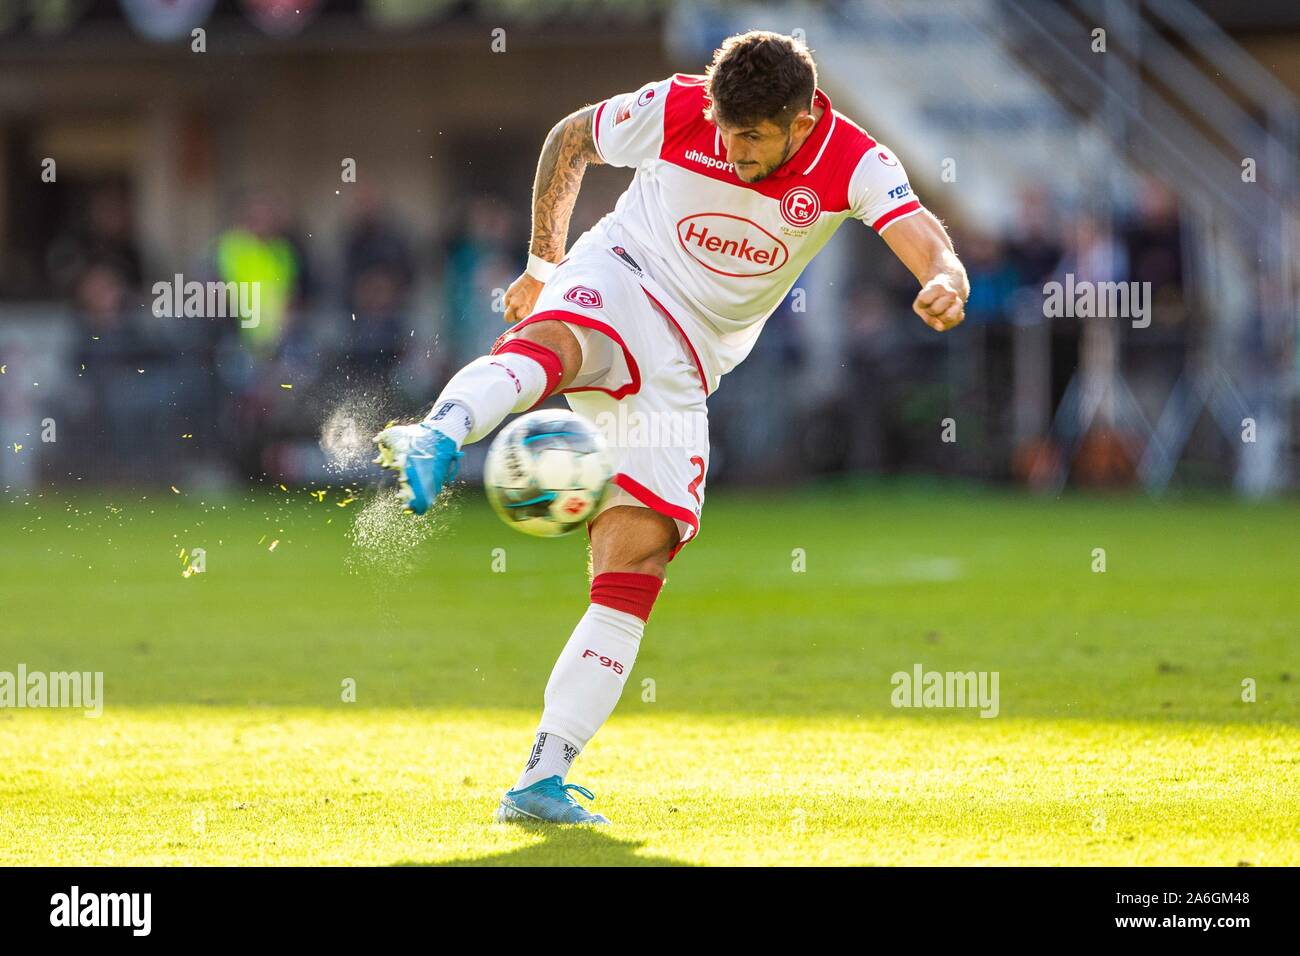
(800, 207)
(584, 296)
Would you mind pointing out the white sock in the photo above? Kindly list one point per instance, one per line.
(551, 755)
(484, 392)
(452, 419)
(589, 676)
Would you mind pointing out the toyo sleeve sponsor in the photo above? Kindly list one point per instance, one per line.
(879, 193)
(629, 127)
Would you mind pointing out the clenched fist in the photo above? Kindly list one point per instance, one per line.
(521, 297)
(939, 304)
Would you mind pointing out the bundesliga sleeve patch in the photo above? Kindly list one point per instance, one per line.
(879, 190)
(627, 127)
(644, 98)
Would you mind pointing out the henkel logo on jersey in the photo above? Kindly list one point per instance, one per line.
(731, 245)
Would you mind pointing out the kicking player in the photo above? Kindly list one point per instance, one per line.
(742, 175)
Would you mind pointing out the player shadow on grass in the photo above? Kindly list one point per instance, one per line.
(564, 846)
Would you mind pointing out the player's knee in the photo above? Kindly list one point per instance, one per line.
(654, 563)
(554, 335)
(632, 540)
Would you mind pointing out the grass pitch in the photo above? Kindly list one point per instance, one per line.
(766, 735)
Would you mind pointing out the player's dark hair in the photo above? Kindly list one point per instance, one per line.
(758, 76)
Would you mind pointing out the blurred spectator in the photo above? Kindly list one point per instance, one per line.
(1034, 248)
(374, 340)
(748, 437)
(1153, 243)
(373, 240)
(483, 258)
(1094, 254)
(993, 277)
(100, 310)
(379, 271)
(109, 406)
(258, 251)
(105, 237)
(875, 343)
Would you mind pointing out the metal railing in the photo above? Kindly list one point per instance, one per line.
(1179, 97)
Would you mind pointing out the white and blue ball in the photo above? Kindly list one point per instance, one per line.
(547, 472)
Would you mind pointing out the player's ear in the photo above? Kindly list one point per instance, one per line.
(802, 124)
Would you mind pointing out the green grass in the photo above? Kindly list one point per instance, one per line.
(1121, 738)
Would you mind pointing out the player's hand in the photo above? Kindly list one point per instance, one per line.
(940, 305)
(521, 298)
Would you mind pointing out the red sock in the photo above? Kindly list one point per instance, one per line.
(626, 591)
(548, 360)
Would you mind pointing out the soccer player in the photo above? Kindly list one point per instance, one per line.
(742, 175)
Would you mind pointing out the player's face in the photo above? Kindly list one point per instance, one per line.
(757, 151)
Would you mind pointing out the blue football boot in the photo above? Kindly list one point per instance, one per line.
(425, 460)
(548, 801)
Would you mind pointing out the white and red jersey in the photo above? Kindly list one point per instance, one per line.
(725, 250)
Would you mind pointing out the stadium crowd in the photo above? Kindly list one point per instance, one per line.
(386, 316)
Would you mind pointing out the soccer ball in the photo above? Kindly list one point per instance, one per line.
(547, 472)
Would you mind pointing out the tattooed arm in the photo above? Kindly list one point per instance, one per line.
(568, 150)
(565, 155)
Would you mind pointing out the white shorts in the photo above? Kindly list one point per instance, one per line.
(640, 383)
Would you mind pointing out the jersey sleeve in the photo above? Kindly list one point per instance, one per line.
(879, 193)
(629, 127)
